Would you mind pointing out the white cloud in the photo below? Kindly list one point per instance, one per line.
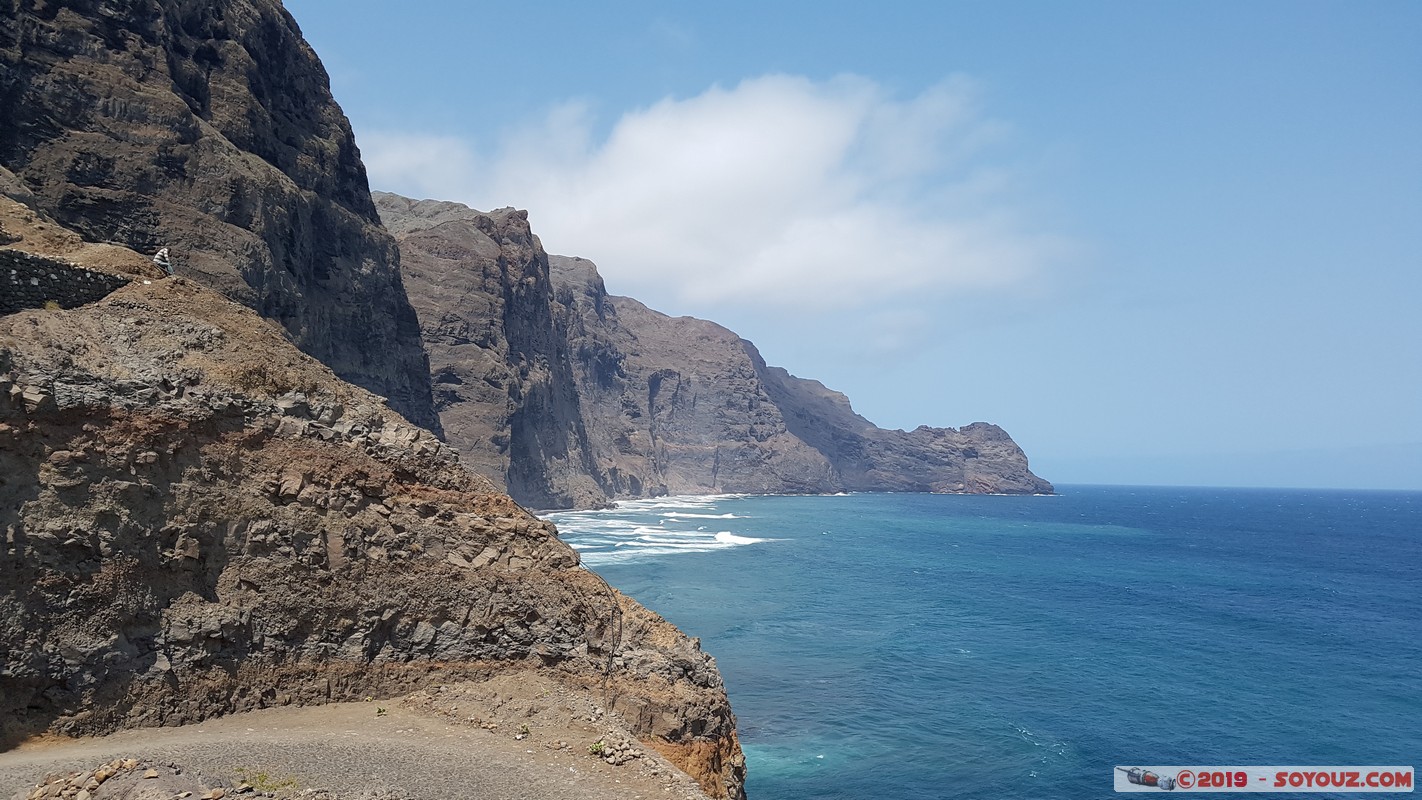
(418, 165)
(779, 192)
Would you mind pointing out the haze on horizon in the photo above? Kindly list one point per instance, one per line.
(1158, 243)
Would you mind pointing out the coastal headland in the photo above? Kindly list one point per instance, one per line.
(257, 475)
(202, 520)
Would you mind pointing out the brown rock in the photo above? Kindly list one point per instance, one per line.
(364, 602)
(208, 128)
(568, 396)
(684, 406)
(499, 363)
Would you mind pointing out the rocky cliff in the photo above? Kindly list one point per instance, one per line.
(198, 519)
(503, 382)
(209, 127)
(196, 515)
(685, 406)
(567, 395)
(979, 458)
(678, 405)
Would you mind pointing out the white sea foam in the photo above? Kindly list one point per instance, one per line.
(727, 537)
(640, 529)
(691, 547)
(672, 503)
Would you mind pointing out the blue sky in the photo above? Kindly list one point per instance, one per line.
(1158, 242)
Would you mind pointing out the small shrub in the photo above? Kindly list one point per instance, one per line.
(268, 379)
(263, 782)
(51, 305)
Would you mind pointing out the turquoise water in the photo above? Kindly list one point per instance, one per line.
(930, 646)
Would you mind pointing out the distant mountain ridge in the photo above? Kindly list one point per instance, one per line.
(532, 361)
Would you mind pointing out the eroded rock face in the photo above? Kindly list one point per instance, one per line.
(503, 383)
(683, 406)
(209, 127)
(677, 405)
(976, 459)
(568, 396)
(199, 519)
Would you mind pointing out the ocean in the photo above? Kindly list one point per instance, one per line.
(936, 646)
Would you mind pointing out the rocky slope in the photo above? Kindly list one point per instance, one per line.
(677, 405)
(199, 519)
(503, 383)
(209, 127)
(568, 396)
(976, 459)
(685, 406)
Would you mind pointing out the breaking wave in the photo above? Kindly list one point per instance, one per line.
(639, 530)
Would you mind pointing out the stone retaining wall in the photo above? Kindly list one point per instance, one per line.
(29, 281)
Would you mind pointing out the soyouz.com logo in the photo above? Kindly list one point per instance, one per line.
(1263, 779)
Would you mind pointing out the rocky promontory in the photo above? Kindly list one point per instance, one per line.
(502, 379)
(209, 128)
(199, 519)
(567, 395)
(677, 405)
(226, 491)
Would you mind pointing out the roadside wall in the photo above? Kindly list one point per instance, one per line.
(30, 281)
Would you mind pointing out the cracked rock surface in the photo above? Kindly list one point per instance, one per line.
(198, 519)
(570, 396)
(208, 127)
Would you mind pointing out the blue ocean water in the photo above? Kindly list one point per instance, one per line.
(932, 646)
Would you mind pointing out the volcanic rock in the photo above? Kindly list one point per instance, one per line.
(196, 519)
(677, 405)
(208, 128)
(566, 395)
(503, 381)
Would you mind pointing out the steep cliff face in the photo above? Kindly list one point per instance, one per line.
(682, 405)
(552, 392)
(199, 519)
(499, 363)
(978, 459)
(209, 127)
(676, 405)
(568, 396)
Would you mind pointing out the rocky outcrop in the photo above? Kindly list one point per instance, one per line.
(677, 405)
(199, 519)
(25, 228)
(684, 406)
(552, 393)
(976, 459)
(503, 383)
(568, 396)
(209, 127)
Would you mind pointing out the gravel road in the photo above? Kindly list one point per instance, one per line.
(352, 752)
